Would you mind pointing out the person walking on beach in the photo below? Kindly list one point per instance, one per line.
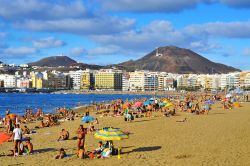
(81, 132)
(17, 138)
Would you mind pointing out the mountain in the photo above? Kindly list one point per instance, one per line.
(57, 61)
(54, 61)
(175, 60)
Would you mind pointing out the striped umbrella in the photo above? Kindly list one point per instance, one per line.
(110, 134)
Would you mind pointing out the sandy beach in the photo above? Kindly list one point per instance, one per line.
(219, 138)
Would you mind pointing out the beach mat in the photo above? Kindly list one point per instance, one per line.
(4, 137)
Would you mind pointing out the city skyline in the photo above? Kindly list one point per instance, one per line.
(104, 31)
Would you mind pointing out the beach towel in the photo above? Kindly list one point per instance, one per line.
(4, 137)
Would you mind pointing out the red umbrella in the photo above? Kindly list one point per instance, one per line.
(4, 137)
(138, 104)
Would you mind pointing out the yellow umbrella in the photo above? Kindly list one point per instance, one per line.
(110, 134)
(169, 104)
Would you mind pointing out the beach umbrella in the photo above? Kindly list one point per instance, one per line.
(4, 137)
(169, 104)
(138, 104)
(210, 102)
(225, 99)
(162, 104)
(110, 134)
(87, 119)
(148, 102)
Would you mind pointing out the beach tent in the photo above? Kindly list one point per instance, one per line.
(4, 137)
(87, 119)
(110, 134)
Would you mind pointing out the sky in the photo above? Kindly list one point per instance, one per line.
(113, 31)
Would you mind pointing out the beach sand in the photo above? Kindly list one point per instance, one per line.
(220, 138)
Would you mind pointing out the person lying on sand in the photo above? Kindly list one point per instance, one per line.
(64, 135)
(26, 130)
(61, 155)
(183, 120)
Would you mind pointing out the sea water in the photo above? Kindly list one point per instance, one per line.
(17, 102)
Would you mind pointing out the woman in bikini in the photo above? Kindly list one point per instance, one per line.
(81, 132)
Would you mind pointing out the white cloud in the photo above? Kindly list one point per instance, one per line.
(221, 29)
(49, 42)
(36, 9)
(107, 50)
(98, 25)
(60, 16)
(165, 6)
(150, 5)
(77, 51)
(155, 34)
(19, 51)
(246, 52)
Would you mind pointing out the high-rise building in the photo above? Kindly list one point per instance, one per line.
(37, 80)
(151, 81)
(136, 80)
(76, 79)
(108, 79)
(87, 80)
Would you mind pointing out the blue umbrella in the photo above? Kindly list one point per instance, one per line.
(209, 102)
(148, 102)
(87, 119)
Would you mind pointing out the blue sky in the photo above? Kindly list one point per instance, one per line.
(107, 31)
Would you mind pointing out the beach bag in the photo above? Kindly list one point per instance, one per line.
(114, 152)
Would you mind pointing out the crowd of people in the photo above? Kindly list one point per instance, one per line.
(192, 103)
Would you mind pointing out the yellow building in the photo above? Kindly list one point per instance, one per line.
(37, 81)
(108, 80)
(87, 81)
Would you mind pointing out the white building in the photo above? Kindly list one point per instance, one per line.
(136, 81)
(76, 78)
(125, 82)
(9, 81)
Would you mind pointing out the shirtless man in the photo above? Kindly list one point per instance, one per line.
(64, 135)
(81, 132)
